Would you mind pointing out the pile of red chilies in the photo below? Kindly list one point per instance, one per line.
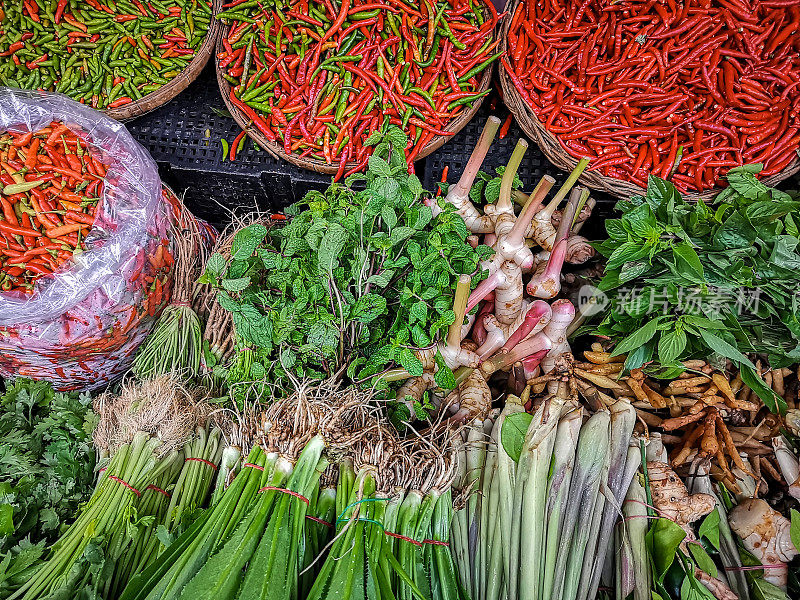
(51, 184)
(662, 87)
(318, 77)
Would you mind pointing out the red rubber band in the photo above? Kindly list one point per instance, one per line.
(435, 543)
(202, 460)
(268, 488)
(402, 537)
(126, 484)
(259, 467)
(159, 490)
(320, 521)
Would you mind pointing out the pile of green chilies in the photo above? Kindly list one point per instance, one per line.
(104, 53)
(318, 77)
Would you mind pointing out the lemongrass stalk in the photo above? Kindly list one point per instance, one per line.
(504, 484)
(590, 457)
(623, 419)
(488, 507)
(563, 465)
(495, 580)
(700, 482)
(635, 574)
(528, 529)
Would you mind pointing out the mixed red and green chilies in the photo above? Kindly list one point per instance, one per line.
(104, 53)
(52, 181)
(317, 79)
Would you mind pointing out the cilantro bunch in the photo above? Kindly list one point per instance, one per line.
(695, 281)
(356, 278)
(46, 469)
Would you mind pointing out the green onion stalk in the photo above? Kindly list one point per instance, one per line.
(142, 430)
(127, 544)
(176, 342)
(319, 529)
(188, 490)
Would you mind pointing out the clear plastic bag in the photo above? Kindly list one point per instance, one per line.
(80, 327)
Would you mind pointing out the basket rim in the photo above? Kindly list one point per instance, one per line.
(551, 147)
(168, 91)
(320, 166)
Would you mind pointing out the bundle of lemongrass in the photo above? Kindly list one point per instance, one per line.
(533, 523)
(176, 342)
(147, 432)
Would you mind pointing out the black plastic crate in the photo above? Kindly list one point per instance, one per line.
(184, 136)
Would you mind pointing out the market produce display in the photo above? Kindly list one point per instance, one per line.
(317, 79)
(105, 54)
(389, 393)
(686, 90)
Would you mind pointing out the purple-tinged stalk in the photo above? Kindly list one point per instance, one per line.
(542, 229)
(538, 316)
(458, 195)
(546, 282)
(537, 344)
(563, 312)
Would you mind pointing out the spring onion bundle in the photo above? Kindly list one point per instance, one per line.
(258, 524)
(534, 522)
(143, 431)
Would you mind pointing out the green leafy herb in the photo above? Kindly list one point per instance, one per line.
(361, 278)
(46, 470)
(689, 280)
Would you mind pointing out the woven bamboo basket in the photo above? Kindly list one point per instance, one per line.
(168, 91)
(320, 166)
(556, 154)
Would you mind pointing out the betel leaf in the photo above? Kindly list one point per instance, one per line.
(709, 528)
(794, 529)
(702, 559)
(638, 338)
(512, 433)
(664, 538)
